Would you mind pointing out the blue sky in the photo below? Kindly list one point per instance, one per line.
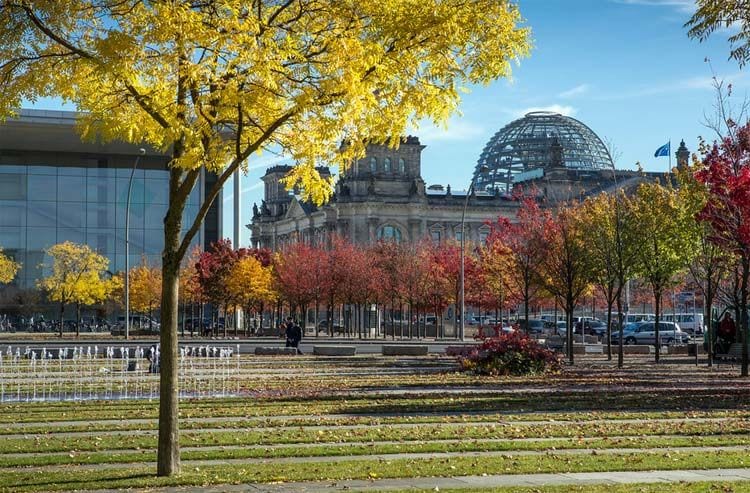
(625, 68)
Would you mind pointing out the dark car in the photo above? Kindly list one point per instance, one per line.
(536, 326)
(594, 327)
(323, 326)
(195, 324)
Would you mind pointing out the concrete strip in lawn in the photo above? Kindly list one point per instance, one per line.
(473, 482)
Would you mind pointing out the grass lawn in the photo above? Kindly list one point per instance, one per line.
(342, 421)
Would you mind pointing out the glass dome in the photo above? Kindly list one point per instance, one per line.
(539, 140)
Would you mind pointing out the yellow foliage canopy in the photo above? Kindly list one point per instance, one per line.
(77, 275)
(217, 81)
(8, 268)
(145, 287)
(249, 282)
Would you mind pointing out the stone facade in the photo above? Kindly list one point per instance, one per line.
(384, 196)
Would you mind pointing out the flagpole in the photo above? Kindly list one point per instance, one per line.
(669, 146)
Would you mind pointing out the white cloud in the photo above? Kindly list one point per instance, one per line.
(684, 6)
(457, 129)
(264, 161)
(554, 108)
(575, 91)
(685, 84)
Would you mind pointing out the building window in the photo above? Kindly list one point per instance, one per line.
(387, 165)
(373, 165)
(401, 166)
(484, 233)
(458, 234)
(435, 235)
(389, 233)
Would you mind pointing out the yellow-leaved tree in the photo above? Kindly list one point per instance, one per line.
(77, 275)
(249, 284)
(215, 82)
(145, 289)
(8, 268)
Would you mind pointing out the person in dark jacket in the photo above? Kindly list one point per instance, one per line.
(293, 336)
(727, 334)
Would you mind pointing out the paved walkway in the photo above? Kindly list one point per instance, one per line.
(475, 482)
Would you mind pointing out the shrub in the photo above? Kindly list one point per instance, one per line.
(512, 353)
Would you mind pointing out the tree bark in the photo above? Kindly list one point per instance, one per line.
(168, 457)
(62, 314)
(657, 316)
(620, 315)
(743, 312)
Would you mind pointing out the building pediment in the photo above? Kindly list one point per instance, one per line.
(297, 210)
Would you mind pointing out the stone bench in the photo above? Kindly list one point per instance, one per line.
(635, 349)
(334, 350)
(458, 350)
(680, 349)
(275, 351)
(733, 354)
(585, 339)
(555, 342)
(404, 350)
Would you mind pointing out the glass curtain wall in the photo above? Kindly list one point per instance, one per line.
(44, 205)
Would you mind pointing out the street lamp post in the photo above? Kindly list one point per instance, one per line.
(141, 152)
(483, 169)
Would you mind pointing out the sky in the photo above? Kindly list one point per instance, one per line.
(625, 68)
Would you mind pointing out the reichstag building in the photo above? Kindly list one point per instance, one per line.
(383, 195)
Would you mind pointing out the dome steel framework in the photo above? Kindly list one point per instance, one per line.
(539, 140)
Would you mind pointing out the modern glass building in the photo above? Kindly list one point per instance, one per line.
(55, 188)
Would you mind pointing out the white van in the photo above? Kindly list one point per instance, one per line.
(691, 323)
(638, 317)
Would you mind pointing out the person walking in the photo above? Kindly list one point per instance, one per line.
(294, 336)
(727, 334)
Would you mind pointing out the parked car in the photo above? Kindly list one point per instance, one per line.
(140, 322)
(195, 324)
(644, 333)
(323, 326)
(595, 327)
(536, 326)
(692, 323)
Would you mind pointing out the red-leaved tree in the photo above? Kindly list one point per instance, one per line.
(726, 173)
(525, 239)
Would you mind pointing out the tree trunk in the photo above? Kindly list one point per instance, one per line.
(707, 309)
(620, 315)
(609, 331)
(569, 324)
(526, 306)
(657, 315)
(743, 312)
(78, 320)
(62, 314)
(168, 458)
(317, 314)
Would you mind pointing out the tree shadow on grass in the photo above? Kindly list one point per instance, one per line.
(68, 481)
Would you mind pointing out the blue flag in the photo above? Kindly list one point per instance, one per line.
(662, 151)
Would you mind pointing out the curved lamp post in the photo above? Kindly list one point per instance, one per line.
(141, 152)
(482, 170)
